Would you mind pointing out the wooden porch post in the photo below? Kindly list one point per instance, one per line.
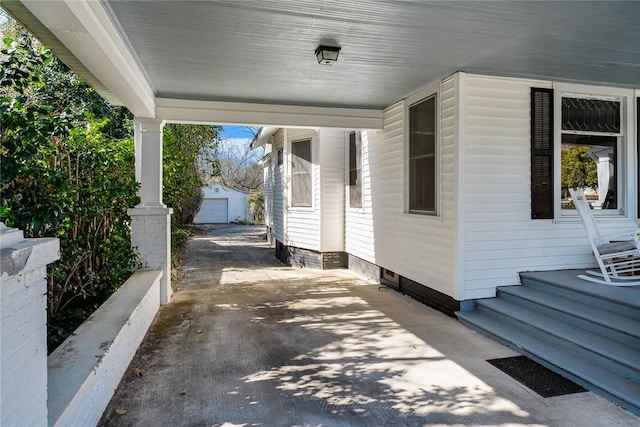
(151, 219)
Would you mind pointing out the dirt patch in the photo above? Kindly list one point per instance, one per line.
(172, 317)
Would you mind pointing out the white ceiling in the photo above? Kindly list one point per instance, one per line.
(262, 51)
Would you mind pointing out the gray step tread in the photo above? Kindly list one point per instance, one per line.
(568, 280)
(608, 319)
(578, 369)
(595, 343)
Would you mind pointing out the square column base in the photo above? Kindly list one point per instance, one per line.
(151, 236)
(23, 327)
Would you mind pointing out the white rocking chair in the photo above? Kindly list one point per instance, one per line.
(618, 256)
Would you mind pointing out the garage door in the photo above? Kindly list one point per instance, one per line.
(213, 211)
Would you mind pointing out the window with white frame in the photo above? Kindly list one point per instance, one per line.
(591, 135)
(422, 161)
(583, 141)
(355, 170)
(301, 174)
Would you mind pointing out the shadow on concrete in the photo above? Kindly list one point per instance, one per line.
(248, 342)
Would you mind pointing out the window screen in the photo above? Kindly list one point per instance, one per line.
(422, 156)
(301, 185)
(355, 170)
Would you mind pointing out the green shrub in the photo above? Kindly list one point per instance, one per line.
(64, 174)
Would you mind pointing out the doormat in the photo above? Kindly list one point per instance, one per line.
(536, 377)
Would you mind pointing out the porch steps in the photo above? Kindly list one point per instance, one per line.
(588, 333)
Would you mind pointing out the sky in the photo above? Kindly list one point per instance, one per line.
(236, 132)
(235, 139)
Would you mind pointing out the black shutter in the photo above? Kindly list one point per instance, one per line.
(541, 153)
(638, 150)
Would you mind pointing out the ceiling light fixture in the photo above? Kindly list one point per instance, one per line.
(327, 55)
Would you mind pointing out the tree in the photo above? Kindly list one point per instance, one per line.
(579, 170)
(256, 204)
(184, 146)
(66, 164)
(238, 164)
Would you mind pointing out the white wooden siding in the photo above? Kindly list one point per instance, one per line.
(303, 223)
(419, 247)
(331, 148)
(278, 188)
(268, 190)
(500, 239)
(359, 237)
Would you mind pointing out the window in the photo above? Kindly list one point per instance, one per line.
(301, 179)
(422, 156)
(590, 133)
(355, 170)
(588, 138)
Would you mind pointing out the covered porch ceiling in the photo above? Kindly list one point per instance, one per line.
(252, 61)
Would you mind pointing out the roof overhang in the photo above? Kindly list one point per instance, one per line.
(263, 136)
(252, 62)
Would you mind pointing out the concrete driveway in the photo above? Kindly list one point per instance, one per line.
(249, 342)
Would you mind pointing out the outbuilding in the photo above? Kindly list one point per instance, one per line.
(221, 205)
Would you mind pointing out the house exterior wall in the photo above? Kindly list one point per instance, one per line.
(498, 235)
(359, 239)
(268, 190)
(331, 161)
(303, 223)
(483, 235)
(421, 248)
(279, 194)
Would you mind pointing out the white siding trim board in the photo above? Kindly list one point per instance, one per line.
(459, 93)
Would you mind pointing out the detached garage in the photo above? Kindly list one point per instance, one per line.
(221, 205)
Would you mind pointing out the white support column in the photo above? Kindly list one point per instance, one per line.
(23, 327)
(151, 219)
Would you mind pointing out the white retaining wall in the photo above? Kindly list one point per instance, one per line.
(86, 369)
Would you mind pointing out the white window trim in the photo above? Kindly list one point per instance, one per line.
(626, 147)
(408, 103)
(289, 158)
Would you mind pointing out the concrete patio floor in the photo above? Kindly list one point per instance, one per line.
(249, 342)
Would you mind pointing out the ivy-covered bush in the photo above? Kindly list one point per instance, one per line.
(184, 148)
(66, 171)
